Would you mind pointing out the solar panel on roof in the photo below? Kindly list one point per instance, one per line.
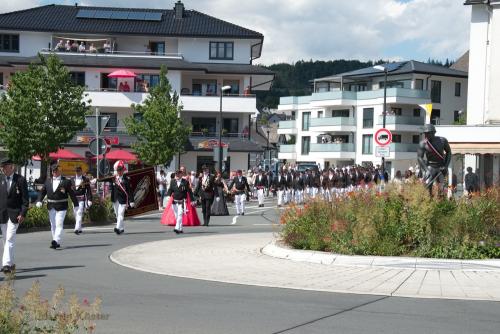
(103, 14)
(152, 16)
(119, 15)
(85, 13)
(136, 15)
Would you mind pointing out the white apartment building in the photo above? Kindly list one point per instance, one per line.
(202, 54)
(477, 144)
(335, 126)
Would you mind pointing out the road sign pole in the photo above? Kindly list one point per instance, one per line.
(97, 127)
(384, 116)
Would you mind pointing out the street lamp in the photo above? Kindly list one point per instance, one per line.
(222, 90)
(266, 128)
(384, 113)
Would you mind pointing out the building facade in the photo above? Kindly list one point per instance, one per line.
(336, 125)
(202, 55)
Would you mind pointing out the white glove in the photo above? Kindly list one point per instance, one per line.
(132, 204)
(39, 204)
(217, 199)
(89, 203)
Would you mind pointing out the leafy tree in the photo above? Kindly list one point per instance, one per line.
(41, 110)
(160, 132)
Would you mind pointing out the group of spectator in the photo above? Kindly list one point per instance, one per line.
(74, 46)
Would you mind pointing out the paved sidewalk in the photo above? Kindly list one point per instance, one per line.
(240, 259)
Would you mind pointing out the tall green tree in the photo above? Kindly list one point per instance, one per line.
(42, 109)
(160, 132)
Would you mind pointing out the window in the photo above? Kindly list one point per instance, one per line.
(1, 78)
(235, 87)
(396, 138)
(416, 112)
(9, 43)
(78, 78)
(340, 113)
(221, 50)
(367, 144)
(458, 89)
(435, 115)
(306, 141)
(392, 84)
(306, 118)
(416, 139)
(367, 118)
(435, 91)
(419, 84)
(146, 81)
(456, 116)
(108, 83)
(397, 111)
(112, 123)
(203, 126)
(204, 87)
(157, 48)
(320, 114)
(230, 125)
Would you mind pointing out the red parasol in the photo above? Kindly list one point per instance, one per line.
(61, 154)
(122, 74)
(120, 154)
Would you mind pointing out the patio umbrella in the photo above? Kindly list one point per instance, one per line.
(120, 154)
(62, 154)
(122, 74)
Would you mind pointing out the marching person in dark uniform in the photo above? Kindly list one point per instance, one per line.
(279, 185)
(315, 183)
(298, 187)
(14, 205)
(57, 189)
(121, 195)
(205, 189)
(81, 186)
(260, 184)
(180, 190)
(434, 156)
(241, 187)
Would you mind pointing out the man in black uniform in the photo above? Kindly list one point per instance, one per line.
(121, 196)
(81, 186)
(180, 190)
(205, 190)
(434, 155)
(260, 184)
(279, 185)
(14, 205)
(57, 189)
(241, 188)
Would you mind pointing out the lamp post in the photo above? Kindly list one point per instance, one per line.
(222, 90)
(384, 112)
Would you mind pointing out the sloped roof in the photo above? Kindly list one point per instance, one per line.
(397, 68)
(462, 63)
(61, 18)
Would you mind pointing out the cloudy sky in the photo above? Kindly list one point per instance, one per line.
(329, 29)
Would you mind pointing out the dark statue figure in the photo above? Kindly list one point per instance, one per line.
(434, 155)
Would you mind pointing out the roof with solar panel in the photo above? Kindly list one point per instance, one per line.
(128, 21)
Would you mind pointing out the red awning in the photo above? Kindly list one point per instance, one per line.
(62, 153)
(119, 154)
(122, 74)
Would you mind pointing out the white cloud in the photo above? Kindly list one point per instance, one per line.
(9, 6)
(330, 29)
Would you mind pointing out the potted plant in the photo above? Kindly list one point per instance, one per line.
(204, 131)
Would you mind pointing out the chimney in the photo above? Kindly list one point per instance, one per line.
(179, 10)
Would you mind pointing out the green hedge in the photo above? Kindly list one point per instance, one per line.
(402, 221)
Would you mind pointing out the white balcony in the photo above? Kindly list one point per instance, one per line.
(402, 123)
(343, 151)
(234, 104)
(288, 152)
(287, 127)
(403, 151)
(331, 124)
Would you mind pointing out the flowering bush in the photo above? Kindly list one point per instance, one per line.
(402, 220)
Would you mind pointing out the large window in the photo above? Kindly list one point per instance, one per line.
(108, 83)
(306, 143)
(230, 126)
(112, 123)
(9, 43)
(204, 87)
(416, 112)
(221, 50)
(367, 144)
(456, 116)
(306, 120)
(235, 87)
(396, 111)
(203, 126)
(340, 113)
(419, 84)
(320, 114)
(1, 78)
(416, 139)
(435, 116)
(458, 89)
(435, 91)
(144, 82)
(367, 118)
(157, 48)
(78, 78)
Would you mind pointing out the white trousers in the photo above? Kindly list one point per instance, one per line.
(239, 200)
(288, 196)
(299, 196)
(260, 196)
(78, 211)
(280, 197)
(178, 212)
(314, 192)
(57, 224)
(9, 240)
(120, 214)
(327, 195)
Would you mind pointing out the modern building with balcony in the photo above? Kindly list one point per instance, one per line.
(336, 124)
(202, 54)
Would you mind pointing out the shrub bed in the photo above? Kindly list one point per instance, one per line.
(401, 221)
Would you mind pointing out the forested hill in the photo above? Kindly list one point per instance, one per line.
(294, 79)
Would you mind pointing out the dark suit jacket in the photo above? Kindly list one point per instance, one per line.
(279, 183)
(207, 192)
(241, 187)
(15, 202)
(122, 194)
(260, 181)
(61, 194)
(181, 192)
(83, 191)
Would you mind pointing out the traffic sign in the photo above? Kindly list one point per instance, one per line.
(382, 151)
(97, 149)
(383, 137)
(104, 167)
(92, 123)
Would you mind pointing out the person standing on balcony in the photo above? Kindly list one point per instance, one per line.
(81, 186)
(68, 46)
(126, 87)
(81, 48)
(57, 189)
(60, 46)
(14, 203)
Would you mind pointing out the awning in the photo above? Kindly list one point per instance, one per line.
(62, 154)
(475, 148)
(120, 154)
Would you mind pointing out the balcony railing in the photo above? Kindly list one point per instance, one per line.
(402, 147)
(100, 52)
(287, 124)
(333, 121)
(332, 147)
(401, 120)
(216, 134)
(287, 148)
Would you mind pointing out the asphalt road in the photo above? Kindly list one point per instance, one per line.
(139, 302)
